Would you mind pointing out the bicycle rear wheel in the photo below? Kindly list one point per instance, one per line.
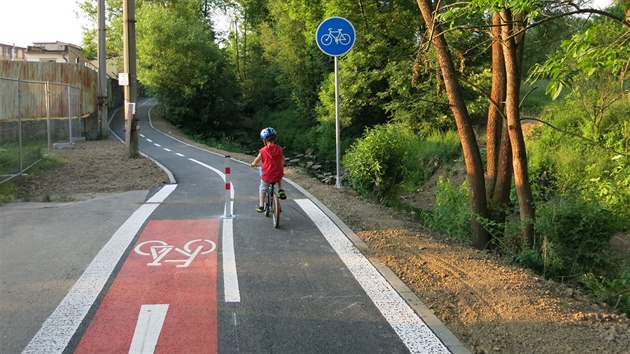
(276, 211)
(268, 204)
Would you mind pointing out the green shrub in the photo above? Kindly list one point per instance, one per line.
(573, 237)
(609, 185)
(451, 214)
(593, 166)
(380, 161)
(436, 149)
(8, 192)
(294, 132)
(613, 291)
(325, 141)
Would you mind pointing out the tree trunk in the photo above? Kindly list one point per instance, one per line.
(472, 156)
(498, 149)
(503, 185)
(519, 154)
(494, 126)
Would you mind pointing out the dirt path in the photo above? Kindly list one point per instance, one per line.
(490, 305)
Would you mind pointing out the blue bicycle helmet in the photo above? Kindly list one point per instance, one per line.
(267, 133)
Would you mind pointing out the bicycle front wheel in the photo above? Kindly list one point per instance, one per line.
(276, 211)
(326, 40)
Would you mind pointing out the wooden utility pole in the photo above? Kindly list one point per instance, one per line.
(131, 90)
(102, 72)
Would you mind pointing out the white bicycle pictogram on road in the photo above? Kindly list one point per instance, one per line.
(158, 250)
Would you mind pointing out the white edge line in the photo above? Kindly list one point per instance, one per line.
(170, 175)
(222, 175)
(61, 325)
(230, 276)
(148, 328)
(416, 335)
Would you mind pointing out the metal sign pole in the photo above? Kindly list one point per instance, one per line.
(337, 124)
(335, 36)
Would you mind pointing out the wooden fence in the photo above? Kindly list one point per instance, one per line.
(22, 94)
(33, 91)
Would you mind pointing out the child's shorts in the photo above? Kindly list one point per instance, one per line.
(264, 185)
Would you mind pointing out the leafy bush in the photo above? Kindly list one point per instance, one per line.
(573, 237)
(381, 160)
(436, 149)
(610, 185)
(613, 291)
(294, 133)
(452, 214)
(594, 166)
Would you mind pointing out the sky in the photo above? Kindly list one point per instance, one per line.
(26, 21)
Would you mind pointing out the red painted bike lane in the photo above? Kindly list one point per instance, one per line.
(164, 299)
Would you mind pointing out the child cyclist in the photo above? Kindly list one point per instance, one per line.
(271, 158)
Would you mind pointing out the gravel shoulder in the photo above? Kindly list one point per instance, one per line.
(490, 305)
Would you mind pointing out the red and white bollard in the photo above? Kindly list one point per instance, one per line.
(228, 189)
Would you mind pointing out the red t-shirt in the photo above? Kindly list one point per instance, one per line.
(272, 163)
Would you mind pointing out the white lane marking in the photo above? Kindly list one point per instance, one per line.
(58, 329)
(149, 140)
(416, 335)
(167, 149)
(230, 277)
(142, 135)
(148, 328)
(181, 155)
(156, 144)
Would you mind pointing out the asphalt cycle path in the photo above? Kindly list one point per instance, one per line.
(196, 270)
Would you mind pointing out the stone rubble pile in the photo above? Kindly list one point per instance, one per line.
(325, 171)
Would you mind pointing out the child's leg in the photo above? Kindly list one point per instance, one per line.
(262, 190)
(281, 192)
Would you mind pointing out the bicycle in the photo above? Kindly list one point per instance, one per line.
(337, 36)
(272, 204)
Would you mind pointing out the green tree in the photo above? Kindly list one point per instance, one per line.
(179, 61)
(113, 30)
(472, 155)
(505, 144)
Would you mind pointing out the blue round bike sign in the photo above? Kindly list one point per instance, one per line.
(335, 36)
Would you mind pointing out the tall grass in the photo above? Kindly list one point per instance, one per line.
(12, 158)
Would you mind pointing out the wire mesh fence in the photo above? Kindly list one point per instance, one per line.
(35, 118)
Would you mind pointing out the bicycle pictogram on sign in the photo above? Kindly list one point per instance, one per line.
(159, 250)
(336, 36)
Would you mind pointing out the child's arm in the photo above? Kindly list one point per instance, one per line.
(256, 161)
